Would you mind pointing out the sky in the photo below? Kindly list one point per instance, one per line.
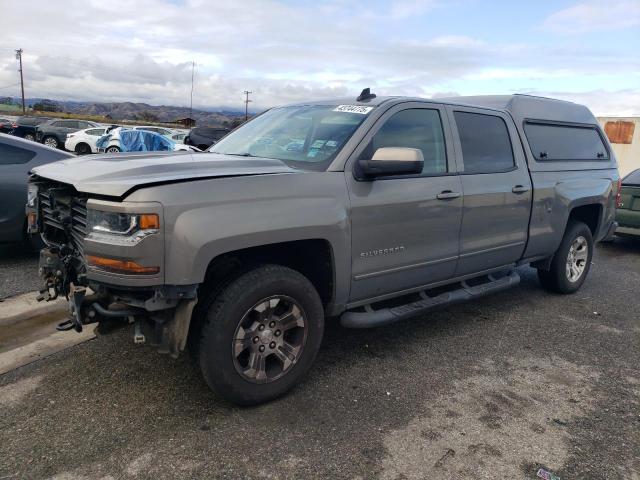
(285, 51)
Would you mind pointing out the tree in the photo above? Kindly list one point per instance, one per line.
(47, 106)
(6, 101)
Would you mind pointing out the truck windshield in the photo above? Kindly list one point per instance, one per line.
(307, 137)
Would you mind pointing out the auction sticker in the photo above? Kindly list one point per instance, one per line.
(353, 109)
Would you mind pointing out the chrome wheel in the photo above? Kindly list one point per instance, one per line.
(269, 339)
(577, 258)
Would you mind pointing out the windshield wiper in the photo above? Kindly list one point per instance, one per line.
(246, 154)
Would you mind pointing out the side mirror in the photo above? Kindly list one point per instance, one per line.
(392, 161)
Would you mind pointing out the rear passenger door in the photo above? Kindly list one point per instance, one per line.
(496, 189)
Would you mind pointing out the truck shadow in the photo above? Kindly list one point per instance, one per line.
(621, 245)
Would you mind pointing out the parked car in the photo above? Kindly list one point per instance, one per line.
(17, 157)
(204, 137)
(54, 132)
(25, 127)
(165, 132)
(628, 213)
(370, 209)
(137, 140)
(178, 137)
(6, 125)
(84, 141)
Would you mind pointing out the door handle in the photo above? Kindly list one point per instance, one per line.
(520, 189)
(447, 195)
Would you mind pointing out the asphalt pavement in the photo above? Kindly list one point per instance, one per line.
(18, 270)
(495, 388)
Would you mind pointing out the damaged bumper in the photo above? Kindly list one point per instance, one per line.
(161, 314)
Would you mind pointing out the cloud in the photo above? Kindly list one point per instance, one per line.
(594, 17)
(401, 9)
(283, 51)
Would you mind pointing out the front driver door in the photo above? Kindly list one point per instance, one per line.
(405, 228)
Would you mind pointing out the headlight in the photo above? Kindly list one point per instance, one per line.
(128, 227)
(32, 194)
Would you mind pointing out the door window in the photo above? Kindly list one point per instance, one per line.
(96, 132)
(419, 128)
(10, 155)
(485, 142)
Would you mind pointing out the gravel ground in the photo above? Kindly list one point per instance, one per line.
(496, 388)
(18, 271)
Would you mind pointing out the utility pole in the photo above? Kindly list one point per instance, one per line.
(19, 58)
(246, 104)
(193, 67)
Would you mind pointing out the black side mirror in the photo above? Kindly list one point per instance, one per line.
(392, 161)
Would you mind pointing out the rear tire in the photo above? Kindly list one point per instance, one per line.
(260, 335)
(30, 137)
(571, 262)
(83, 149)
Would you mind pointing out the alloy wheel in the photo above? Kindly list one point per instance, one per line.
(577, 258)
(269, 339)
(51, 142)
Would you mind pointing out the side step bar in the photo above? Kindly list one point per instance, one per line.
(384, 316)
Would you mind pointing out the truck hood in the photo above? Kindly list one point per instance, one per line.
(115, 175)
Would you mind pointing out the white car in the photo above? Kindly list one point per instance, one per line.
(84, 141)
(152, 141)
(165, 132)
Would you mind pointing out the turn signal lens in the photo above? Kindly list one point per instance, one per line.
(126, 267)
(149, 221)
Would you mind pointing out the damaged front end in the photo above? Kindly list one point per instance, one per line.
(106, 258)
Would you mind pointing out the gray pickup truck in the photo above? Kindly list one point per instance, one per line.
(370, 210)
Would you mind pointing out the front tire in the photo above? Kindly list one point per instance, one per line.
(571, 262)
(261, 334)
(51, 142)
(113, 149)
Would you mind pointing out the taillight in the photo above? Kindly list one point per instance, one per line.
(14, 125)
(619, 194)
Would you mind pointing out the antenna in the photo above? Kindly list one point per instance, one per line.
(365, 95)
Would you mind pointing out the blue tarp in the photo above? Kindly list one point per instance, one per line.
(139, 141)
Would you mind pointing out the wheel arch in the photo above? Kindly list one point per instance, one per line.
(313, 258)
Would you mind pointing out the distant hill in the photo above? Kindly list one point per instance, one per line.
(142, 111)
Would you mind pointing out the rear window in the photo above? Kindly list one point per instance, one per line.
(10, 155)
(564, 142)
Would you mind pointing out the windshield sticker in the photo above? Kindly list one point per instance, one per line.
(353, 109)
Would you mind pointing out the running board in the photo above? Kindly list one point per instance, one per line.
(374, 318)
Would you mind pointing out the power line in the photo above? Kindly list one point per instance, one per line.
(246, 104)
(19, 58)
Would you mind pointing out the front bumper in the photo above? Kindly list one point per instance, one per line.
(161, 314)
